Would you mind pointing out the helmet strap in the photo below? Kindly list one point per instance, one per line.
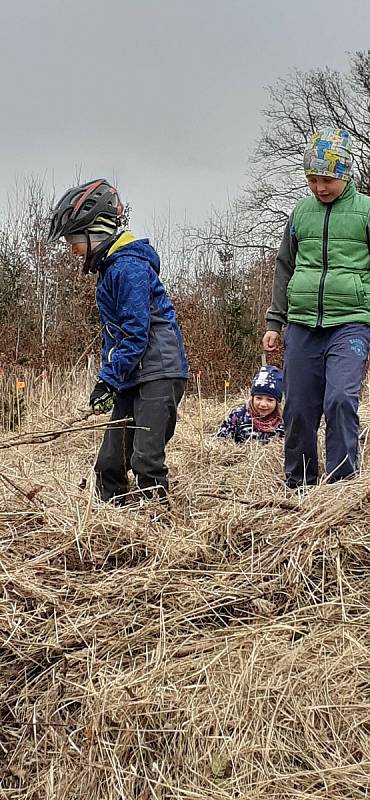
(95, 257)
(86, 264)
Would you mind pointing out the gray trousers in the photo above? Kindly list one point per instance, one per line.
(153, 406)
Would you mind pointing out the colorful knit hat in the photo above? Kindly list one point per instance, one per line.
(268, 381)
(329, 153)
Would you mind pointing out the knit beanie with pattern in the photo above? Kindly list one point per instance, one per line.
(268, 381)
(329, 153)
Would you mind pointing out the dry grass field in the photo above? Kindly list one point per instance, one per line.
(219, 651)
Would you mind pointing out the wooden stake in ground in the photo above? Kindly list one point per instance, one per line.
(198, 379)
(226, 386)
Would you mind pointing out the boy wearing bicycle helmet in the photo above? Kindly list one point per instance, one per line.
(144, 367)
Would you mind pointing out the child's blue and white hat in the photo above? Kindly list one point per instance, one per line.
(268, 381)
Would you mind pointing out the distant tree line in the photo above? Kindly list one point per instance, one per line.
(219, 274)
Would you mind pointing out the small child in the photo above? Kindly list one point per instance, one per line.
(260, 419)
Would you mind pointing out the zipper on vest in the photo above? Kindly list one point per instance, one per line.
(320, 307)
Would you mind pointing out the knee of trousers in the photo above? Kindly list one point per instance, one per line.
(104, 464)
(340, 403)
(143, 463)
(297, 419)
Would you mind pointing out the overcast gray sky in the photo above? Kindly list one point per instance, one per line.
(164, 94)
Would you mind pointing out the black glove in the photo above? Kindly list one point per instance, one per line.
(101, 398)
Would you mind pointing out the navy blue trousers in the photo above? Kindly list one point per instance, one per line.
(323, 370)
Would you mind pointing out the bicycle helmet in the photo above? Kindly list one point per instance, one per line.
(93, 207)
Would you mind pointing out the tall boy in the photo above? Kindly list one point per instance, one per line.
(322, 289)
(144, 367)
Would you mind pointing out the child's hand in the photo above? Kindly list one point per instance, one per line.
(270, 341)
(101, 398)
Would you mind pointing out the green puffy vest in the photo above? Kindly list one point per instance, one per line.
(331, 281)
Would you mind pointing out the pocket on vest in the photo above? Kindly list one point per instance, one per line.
(345, 290)
(303, 291)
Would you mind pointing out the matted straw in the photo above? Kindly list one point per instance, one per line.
(218, 650)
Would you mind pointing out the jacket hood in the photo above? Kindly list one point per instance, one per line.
(129, 245)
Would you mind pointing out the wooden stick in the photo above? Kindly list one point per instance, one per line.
(252, 504)
(43, 437)
(30, 495)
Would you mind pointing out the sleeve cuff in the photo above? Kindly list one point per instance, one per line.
(273, 325)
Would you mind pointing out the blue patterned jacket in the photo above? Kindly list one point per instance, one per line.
(239, 427)
(141, 338)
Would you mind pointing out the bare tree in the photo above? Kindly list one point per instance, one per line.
(298, 105)
(46, 311)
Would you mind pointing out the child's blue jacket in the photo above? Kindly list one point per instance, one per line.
(141, 340)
